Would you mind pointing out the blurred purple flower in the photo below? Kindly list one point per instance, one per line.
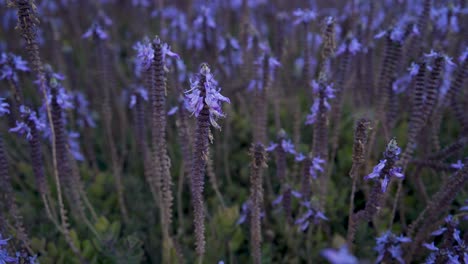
(388, 242)
(303, 16)
(10, 65)
(430, 246)
(96, 31)
(74, 145)
(145, 55)
(340, 256)
(458, 165)
(85, 117)
(310, 216)
(4, 107)
(316, 167)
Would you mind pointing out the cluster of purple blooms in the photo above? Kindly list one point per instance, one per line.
(386, 168)
(28, 116)
(389, 245)
(317, 89)
(311, 215)
(210, 98)
(6, 258)
(456, 252)
(10, 65)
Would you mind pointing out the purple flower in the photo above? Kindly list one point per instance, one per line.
(341, 256)
(74, 145)
(323, 93)
(271, 147)
(84, 113)
(288, 146)
(303, 16)
(22, 129)
(396, 172)
(142, 3)
(458, 165)
(377, 170)
(390, 243)
(10, 64)
(205, 16)
(212, 97)
(5, 258)
(95, 30)
(316, 167)
(166, 50)
(352, 47)
(299, 157)
(140, 92)
(430, 246)
(439, 231)
(463, 56)
(4, 107)
(414, 69)
(310, 215)
(173, 110)
(145, 55)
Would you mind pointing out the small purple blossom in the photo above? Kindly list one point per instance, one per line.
(303, 16)
(139, 92)
(311, 215)
(85, 117)
(340, 256)
(74, 145)
(458, 165)
(22, 128)
(4, 107)
(172, 111)
(430, 246)
(10, 65)
(299, 157)
(413, 69)
(95, 30)
(352, 47)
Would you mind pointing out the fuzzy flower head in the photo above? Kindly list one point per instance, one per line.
(95, 31)
(4, 107)
(10, 65)
(145, 55)
(304, 16)
(205, 93)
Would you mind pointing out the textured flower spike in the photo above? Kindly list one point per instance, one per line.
(206, 94)
(95, 31)
(10, 64)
